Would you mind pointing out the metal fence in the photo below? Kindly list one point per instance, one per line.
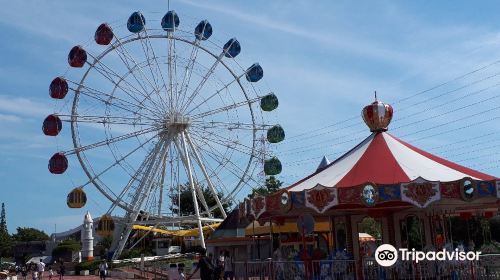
(294, 270)
(488, 267)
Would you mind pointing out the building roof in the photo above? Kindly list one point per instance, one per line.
(384, 159)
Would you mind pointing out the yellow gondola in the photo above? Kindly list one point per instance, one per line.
(105, 226)
(76, 198)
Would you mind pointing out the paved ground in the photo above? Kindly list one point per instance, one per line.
(77, 277)
(90, 277)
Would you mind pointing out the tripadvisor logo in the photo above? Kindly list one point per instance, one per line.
(387, 255)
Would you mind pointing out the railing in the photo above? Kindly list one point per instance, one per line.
(488, 267)
(292, 270)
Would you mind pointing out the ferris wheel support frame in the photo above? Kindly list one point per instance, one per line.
(205, 173)
(187, 163)
(141, 195)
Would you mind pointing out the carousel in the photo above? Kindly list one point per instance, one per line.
(382, 191)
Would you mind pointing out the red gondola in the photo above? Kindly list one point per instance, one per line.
(103, 34)
(52, 125)
(77, 57)
(58, 88)
(58, 163)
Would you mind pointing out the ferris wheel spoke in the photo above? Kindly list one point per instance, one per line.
(187, 75)
(147, 47)
(112, 100)
(105, 120)
(230, 166)
(135, 177)
(172, 69)
(227, 143)
(187, 165)
(162, 186)
(140, 195)
(225, 108)
(111, 140)
(214, 173)
(123, 53)
(205, 173)
(109, 74)
(202, 82)
(115, 164)
(130, 63)
(231, 125)
(205, 100)
(158, 69)
(184, 154)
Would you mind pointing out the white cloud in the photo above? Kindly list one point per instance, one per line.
(9, 118)
(22, 106)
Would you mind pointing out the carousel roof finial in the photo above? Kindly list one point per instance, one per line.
(323, 164)
(377, 115)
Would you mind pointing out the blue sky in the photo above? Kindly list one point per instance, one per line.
(323, 59)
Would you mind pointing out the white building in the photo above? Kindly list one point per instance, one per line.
(87, 238)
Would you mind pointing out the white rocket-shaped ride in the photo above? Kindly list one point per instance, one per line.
(87, 238)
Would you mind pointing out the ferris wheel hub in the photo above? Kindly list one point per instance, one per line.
(176, 123)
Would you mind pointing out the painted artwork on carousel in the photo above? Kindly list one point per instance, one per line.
(321, 198)
(420, 192)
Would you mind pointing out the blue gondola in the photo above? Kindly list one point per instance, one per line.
(203, 30)
(254, 73)
(232, 48)
(170, 21)
(136, 22)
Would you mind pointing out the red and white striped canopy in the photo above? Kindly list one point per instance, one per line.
(384, 159)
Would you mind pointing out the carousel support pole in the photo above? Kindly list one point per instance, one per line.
(271, 238)
(330, 236)
(304, 254)
(451, 234)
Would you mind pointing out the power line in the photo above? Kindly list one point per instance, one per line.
(416, 94)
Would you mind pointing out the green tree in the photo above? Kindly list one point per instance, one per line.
(187, 207)
(272, 185)
(5, 239)
(106, 242)
(25, 234)
(65, 249)
(371, 226)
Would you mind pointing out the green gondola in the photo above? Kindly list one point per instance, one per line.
(269, 102)
(272, 166)
(275, 134)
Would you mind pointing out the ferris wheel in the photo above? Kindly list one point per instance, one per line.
(158, 109)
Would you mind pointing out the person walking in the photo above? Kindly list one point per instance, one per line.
(40, 268)
(182, 276)
(24, 272)
(228, 266)
(205, 266)
(103, 269)
(62, 270)
(51, 273)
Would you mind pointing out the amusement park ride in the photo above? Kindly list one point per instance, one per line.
(147, 116)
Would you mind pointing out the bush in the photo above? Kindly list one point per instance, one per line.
(65, 249)
(87, 265)
(135, 253)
